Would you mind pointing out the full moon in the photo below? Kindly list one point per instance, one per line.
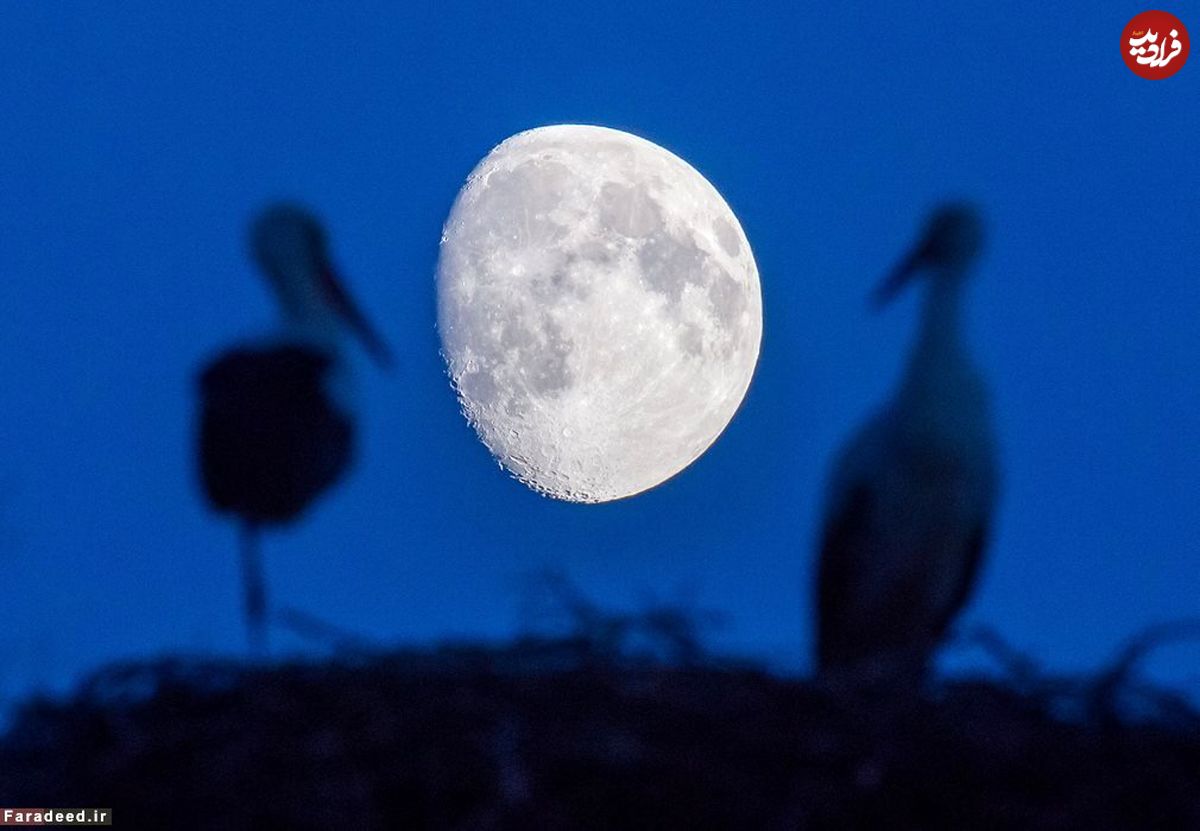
(599, 309)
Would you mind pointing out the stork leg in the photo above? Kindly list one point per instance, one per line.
(254, 588)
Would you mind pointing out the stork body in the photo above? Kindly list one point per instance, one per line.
(272, 438)
(276, 429)
(912, 493)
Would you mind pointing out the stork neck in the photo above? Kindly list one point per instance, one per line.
(306, 316)
(939, 347)
(942, 402)
(940, 333)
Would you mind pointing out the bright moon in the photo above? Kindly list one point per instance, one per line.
(599, 309)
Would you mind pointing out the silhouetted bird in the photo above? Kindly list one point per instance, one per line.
(912, 494)
(276, 427)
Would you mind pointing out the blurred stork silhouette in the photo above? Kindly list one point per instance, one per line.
(912, 494)
(276, 422)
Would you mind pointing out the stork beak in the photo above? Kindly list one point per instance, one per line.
(900, 277)
(341, 302)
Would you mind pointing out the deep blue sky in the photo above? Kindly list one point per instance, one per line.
(137, 143)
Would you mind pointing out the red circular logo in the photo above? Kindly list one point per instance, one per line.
(1155, 45)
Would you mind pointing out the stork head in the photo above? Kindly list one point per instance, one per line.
(952, 240)
(289, 244)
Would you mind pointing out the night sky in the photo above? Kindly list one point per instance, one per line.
(137, 144)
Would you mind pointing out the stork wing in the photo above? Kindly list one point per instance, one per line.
(972, 560)
(874, 598)
(839, 578)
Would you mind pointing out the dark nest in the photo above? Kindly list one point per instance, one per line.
(625, 726)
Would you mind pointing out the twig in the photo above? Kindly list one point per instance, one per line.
(1019, 666)
(311, 627)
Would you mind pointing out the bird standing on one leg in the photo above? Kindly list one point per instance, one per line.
(276, 428)
(912, 494)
